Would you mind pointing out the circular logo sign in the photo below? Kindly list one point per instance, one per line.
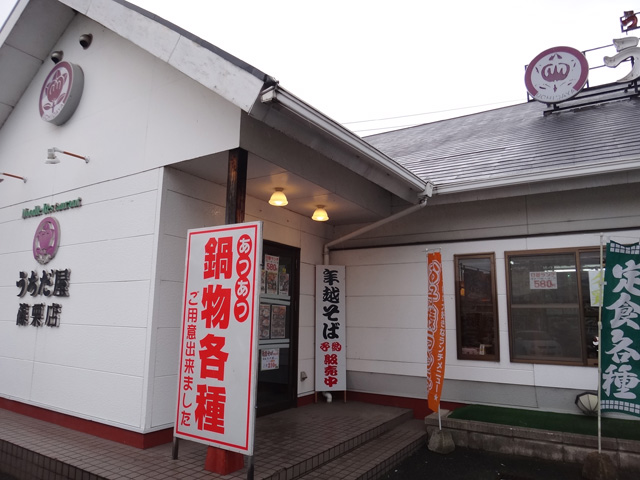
(556, 75)
(61, 92)
(46, 240)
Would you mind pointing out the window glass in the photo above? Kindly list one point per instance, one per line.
(477, 318)
(551, 319)
(590, 265)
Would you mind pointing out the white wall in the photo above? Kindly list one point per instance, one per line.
(386, 324)
(136, 113)
(190, 202)
(93, 364)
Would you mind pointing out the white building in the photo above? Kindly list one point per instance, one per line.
(164, 117)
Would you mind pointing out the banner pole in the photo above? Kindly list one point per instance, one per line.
(600, 348)
(439, 418)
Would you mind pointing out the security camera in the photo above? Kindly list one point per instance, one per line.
(57, 56)
(85, 40)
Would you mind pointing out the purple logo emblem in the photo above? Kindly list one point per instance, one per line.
(556, 75)
(61, 92)
(46, 240)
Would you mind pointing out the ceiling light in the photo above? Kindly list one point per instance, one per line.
(24, 179)
(320, 214)
(52, 159)
(278, 198)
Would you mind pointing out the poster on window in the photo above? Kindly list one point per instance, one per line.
(331, 328)
(543, 280)
(278, 321)
(620, 370)
(271, 264)
(218, 348)
(264, 321)
(269, 359)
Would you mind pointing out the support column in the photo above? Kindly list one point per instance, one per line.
(236, 185)
(220, 461)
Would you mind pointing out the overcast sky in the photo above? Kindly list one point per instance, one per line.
(358, 60)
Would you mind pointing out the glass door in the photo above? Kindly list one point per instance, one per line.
(278, 329)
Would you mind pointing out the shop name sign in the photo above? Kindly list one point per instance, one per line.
(559, 73)
(48, 208)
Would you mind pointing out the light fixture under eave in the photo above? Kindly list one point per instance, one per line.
(278, 198)
(320, 214)
(52, 159)
(24, 179)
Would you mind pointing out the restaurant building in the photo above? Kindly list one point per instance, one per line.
(120, 132)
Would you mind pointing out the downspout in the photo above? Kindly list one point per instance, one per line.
(421, 204)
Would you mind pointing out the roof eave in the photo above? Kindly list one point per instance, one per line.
(367, 160)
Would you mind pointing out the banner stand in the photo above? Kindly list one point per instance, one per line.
(600, 346)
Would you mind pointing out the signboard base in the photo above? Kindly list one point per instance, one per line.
(223, 462)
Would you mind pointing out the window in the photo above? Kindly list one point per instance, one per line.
(476, 312)
(551, 319)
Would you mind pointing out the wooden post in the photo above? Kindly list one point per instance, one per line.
(236, 186)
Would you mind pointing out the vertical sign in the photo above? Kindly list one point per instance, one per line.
(620, 343)
(331, 328)
(436, 331)
(218, 350)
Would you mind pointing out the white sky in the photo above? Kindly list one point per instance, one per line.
(357, 60)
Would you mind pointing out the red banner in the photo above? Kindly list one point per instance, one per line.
(436, 331)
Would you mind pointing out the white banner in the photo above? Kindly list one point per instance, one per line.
(218, 351)
(331, 328)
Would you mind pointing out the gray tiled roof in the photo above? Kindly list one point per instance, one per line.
(517, 140)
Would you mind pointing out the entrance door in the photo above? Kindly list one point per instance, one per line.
(278, 329)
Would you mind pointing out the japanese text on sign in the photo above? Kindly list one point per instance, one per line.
(436, 331)
(620, 343)
(330, 328)
(218, 353)
(543, 281)
(52, 283)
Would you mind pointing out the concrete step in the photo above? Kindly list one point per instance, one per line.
(373, 459)
(302, 460)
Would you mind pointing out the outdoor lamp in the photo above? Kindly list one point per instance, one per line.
(320, 214)
(52, 159)
(587, 402)
(278, 198)
(24, 179)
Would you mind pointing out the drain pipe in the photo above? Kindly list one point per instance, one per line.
(422, 203)
(372, 226)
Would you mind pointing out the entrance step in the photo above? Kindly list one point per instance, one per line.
(375, 458)
(296, 442)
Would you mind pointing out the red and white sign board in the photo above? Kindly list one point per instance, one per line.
(543, 280)
(331, 328)
(218, 350)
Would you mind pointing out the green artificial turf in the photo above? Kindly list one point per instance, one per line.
(559, 422)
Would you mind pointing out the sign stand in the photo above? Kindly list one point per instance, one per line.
(175, 448)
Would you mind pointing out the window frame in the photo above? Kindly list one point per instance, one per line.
(576, 251)
(495, 356)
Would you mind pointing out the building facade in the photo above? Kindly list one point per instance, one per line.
(163, 117)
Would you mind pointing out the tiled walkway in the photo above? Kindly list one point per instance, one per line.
(287, 444)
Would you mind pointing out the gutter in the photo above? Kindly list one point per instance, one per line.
(275, 93)
(421, 204)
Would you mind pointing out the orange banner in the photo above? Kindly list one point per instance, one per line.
(436, 331)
